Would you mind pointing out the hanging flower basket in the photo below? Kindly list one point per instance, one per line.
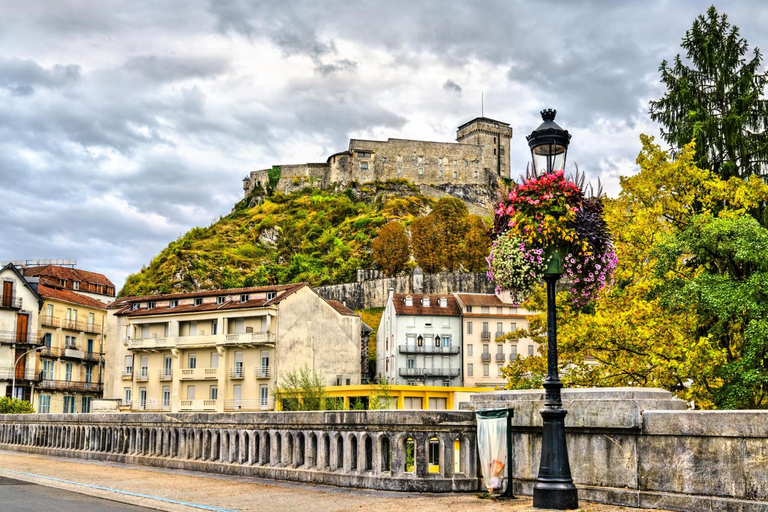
(546, 225)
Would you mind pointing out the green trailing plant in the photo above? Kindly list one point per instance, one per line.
(15, 406)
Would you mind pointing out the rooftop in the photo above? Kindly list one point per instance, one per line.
(418, 308)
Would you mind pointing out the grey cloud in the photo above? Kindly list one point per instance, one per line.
(452, 86)
(174, 68)
(339, 66)
(21, 77)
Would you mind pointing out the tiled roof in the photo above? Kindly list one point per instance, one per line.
(73, 274)
(68, 296)
(341, 308)
(482, 299)
(434, 308)
(120, 302)
(125, 303)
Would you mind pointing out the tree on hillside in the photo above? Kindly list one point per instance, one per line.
(424, 235)
(390, 248)
(716, 99)
(450, 219)
(476, 245)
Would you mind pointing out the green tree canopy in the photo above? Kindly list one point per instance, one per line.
(715, 97)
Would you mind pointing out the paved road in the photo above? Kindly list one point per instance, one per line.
(21, 496)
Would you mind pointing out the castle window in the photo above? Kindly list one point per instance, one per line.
(494, 151)
(494, 140)
(475, 173)
(399, 169)
(421, 170)
(440, 173)
(363, 166)
(363, 154)
(421, 160)
(455, 173)
(466, 163)
(439, 161)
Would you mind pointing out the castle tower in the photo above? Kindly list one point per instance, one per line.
(494, 137)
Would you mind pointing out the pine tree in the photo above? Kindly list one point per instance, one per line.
(716, 99)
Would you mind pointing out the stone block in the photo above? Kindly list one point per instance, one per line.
(707, 423)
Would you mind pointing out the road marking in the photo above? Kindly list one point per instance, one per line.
(119, 491)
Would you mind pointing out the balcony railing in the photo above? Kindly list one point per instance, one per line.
(486, 356)
(92, 328)
(485, 335)
(238, 372)
(500, 358)
(235, 404)
(127, 373)
(21, 338)
(513, 357)
(429, 372)
(70, 352)
(50, 321)
(6, 372)
(165, 374)
(202, 340)
(199, 373)
(427, 349)
(499, 334)
(10, 302)
(197, 405)
(262, 372)
(70, 385)
(149, 404)
(72, 325)
(142, 375)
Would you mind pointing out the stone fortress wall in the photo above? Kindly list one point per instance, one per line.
(479, 157)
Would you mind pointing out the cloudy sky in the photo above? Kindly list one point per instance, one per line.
(124, 124)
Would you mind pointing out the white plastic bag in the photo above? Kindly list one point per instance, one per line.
(492, 446)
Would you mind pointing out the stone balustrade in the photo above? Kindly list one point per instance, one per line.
(430, 451)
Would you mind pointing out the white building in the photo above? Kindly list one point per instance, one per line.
(19, 308)
(419, 340)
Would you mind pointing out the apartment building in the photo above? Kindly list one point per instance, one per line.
(224, 350)
(73, 328)
(19, 333)
(485, 318)
(419, 340)
(58, 277)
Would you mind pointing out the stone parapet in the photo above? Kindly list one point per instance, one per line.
(387, 450)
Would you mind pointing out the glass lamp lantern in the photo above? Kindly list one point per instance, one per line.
(549, 144)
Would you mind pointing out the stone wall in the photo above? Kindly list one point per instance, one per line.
(365, 449)
(374, 293)
(641, 448)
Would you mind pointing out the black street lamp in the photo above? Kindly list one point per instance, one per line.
(549, 144)
(554, 487)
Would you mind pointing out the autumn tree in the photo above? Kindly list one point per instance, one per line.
(390, 248)
(715, 97)
(451, 225)
(475, 245)
(426, 251)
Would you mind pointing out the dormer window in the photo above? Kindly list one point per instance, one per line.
(76, 285)
(150, 304)
(134, 306)
(221, 299)
(271, 295)
(469, 309)
(443, 302)
(173, 303)
(425, 301)
(409, 301)
(198, 301)
(245, 298)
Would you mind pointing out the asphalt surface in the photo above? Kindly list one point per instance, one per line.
(21, 496)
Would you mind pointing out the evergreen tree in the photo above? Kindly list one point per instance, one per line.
(715, 98)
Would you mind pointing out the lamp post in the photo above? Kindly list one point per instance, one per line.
(554, 487)
(13, 384)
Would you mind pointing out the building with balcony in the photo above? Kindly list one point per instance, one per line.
(485, 319)
(90, 284)
(224, 350)
(418, 341)
(71, 362)
(19, 334)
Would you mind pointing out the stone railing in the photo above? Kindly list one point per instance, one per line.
(640, 447)
(387, 450)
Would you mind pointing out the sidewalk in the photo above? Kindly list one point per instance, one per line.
(175, 490)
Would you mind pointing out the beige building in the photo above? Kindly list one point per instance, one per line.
(19, 333)
(486, 317)
(224, 350)
(73, 328)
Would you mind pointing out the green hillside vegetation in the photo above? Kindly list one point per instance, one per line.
(320, 238)
(372, 317)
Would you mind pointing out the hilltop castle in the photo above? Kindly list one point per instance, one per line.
(479, 156)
